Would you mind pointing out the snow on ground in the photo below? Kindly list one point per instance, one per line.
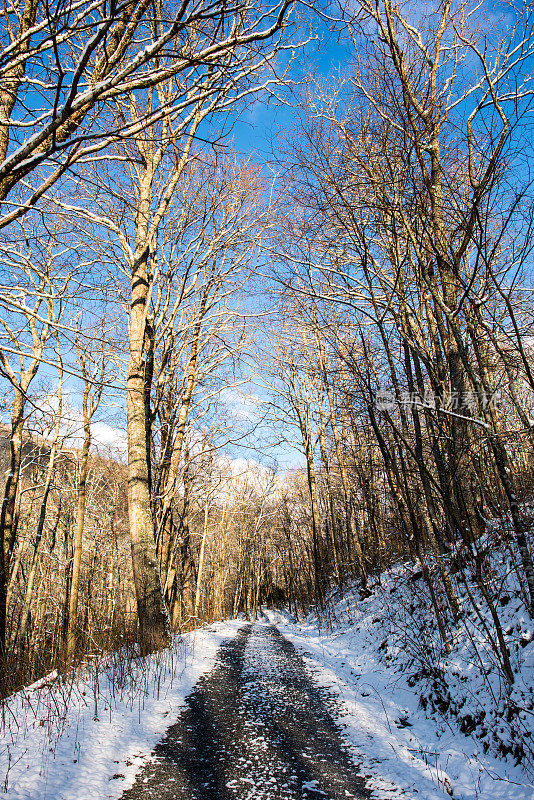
(423, 724)
(406, 747)
(85, 738)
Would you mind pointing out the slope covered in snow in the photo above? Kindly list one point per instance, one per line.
(424, 723)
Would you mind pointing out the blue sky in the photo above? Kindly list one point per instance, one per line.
(259, 130)
(258, 135)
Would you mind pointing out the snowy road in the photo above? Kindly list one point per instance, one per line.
(255, 727)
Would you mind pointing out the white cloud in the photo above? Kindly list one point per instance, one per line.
(241, 405)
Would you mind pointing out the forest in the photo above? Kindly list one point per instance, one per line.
(243, 370)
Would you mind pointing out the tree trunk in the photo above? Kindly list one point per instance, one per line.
(154, 629)
(201, 559)
(78, 535)
(7, 514)
(25, 614)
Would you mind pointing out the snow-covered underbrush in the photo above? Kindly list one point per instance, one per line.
(451, 717)
(84, 735)
(466, 687)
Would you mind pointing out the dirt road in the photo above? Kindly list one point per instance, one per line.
(255, 727)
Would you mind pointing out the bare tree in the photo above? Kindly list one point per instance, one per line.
(78, 57)
(183, 243)
(32, 302)
(48, 484)
(93, 369)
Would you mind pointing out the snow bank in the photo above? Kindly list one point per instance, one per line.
(405, 723)
(85, 737)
